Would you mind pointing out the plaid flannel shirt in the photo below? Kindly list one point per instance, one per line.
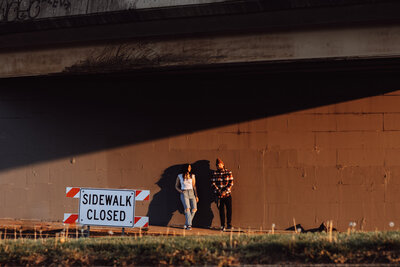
(222, 181)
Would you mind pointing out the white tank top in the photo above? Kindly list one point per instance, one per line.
(186, 183)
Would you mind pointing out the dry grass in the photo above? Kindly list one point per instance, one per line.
(369, 247)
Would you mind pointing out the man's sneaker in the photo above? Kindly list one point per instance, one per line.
(222, 228)
(185, 227)
(189, 227)
(229, 228)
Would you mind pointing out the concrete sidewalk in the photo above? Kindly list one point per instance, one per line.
(29, 228)
(177, 230)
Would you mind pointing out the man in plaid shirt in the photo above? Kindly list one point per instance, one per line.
(222, 182)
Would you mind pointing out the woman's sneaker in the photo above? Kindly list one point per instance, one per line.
(189, 227)
(185, 227)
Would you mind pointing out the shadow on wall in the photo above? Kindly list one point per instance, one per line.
(46, 118)
(167, 201)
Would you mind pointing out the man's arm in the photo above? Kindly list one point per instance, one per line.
(229, 179)
(214, 183)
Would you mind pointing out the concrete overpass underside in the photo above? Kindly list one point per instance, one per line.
(299, 98)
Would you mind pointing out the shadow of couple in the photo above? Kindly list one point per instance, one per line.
(166, 202)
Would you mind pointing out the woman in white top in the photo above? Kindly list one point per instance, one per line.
(186, 186)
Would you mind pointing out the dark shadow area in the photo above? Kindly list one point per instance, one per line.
(167, 201)
(204, 215)
(322, 228)
(46, 118)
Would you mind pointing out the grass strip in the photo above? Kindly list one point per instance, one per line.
(366, 247)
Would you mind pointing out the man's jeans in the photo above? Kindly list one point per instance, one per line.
(225, 202)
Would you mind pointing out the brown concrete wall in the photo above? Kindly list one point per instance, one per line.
(313, 147)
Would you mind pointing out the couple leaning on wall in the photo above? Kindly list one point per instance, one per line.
(221, 182)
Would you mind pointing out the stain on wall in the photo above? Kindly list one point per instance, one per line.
(312, 146)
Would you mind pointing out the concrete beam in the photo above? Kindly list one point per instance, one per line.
(22, 10)
(317, 44)
(130, 19)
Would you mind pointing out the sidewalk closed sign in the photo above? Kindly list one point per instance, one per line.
(107, 207)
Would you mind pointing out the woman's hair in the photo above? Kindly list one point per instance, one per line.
(185, 170)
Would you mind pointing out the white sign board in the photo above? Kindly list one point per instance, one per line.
(107, 207)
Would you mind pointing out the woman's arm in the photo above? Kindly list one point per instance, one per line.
(194, 188)
(177, 185)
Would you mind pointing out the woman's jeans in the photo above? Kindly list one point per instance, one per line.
(189, 205)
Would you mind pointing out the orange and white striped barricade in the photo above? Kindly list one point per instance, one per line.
(140, 221)
(74, 192)
(70, 218)
(107, 207)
